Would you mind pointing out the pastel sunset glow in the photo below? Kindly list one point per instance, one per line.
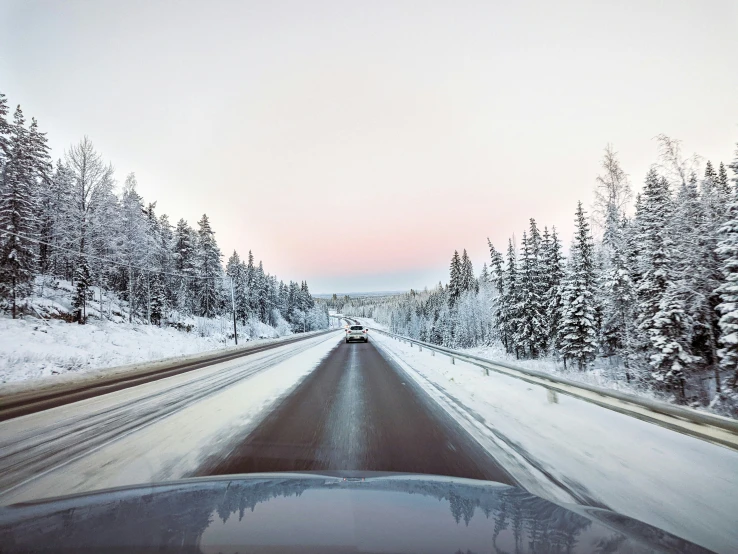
(359, 148)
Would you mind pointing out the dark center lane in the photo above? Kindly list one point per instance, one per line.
(359, 411)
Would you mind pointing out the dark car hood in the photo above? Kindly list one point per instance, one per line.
(337, 512)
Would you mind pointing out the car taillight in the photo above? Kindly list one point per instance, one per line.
(365, 330)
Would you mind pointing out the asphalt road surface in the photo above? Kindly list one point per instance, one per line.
(358, 411)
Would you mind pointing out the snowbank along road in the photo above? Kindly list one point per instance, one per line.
(321, 404)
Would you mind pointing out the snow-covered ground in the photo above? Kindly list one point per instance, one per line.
(33, 350)
(153, 432)
(45, 346)
(573, 451)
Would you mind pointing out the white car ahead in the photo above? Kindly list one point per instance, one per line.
(358, 333)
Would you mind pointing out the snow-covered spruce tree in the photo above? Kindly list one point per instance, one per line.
(734, 167)
(185, 265)
(18, 214)
(261, 295)
(612, 197)
(511, 300)
(578, 332)
(694, 229)
(540, 282)
(158, 299)
(164, 260)
(81, 290)
(553, 302)
(253, 301)
(131, 246)
(468, 281)
(618, 296)
(661, 319)
(722, 181)
(209, 270)
(236, 271)
(5, 132)
(727, 399)
(483, 275)
(455, 276)
(531, 331)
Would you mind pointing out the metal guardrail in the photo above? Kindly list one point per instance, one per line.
(713, 428)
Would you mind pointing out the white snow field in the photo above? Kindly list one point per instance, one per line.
(33, 351)
(153, 432)
(574, 451)
(48, 349)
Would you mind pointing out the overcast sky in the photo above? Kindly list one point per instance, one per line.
(357, 144)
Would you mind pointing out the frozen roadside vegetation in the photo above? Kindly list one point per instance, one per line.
(602, 374)
(574, 451)
(47, 346)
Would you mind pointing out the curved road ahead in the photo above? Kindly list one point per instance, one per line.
(357, 411)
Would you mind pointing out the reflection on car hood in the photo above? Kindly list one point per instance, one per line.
(311, 512)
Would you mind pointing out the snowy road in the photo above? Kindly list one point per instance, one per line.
(155, 431)
(321, 404)
(358, 410)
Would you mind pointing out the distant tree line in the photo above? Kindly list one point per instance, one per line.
(657, 291)
(66, 221)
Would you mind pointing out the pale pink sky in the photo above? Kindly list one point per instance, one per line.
(357, 144)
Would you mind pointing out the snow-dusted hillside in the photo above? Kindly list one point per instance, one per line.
(42, 344)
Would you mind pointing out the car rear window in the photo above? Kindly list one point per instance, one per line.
(356, 327)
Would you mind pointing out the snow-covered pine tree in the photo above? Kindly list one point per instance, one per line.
(734, 167)
(253, 300)
(612, 196)
(727, 399)
(5, 132)
(81, 290)
(697, 274)
(209, 270)
(468, 281)
(539, 288)
(262, 294)
(283, 299)
(236, 271)
(722, 181)
(158, 299)
(553, 270)
(483, 280)
(131, 247)
(662, 337)
(530, 335)
(578, 333)
(18, 219)
(184, 264)
(710, 172)
(496, 281)
(511, 300)
(455, 276)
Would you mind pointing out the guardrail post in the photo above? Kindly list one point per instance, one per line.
(553, 398)
(420, 348)
(433, 352)
(453, 360)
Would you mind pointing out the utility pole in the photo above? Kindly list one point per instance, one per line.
(233, 303)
